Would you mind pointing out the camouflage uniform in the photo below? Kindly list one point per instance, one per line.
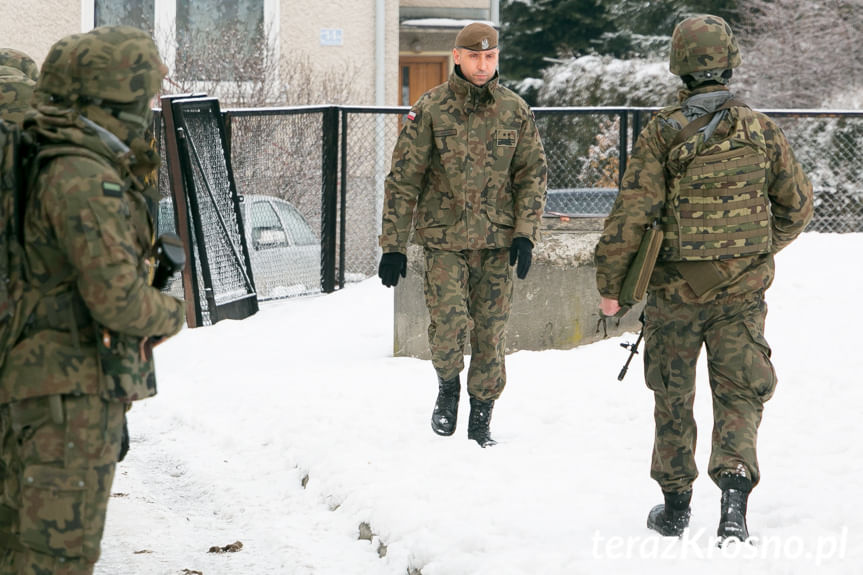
(86, 351)
(18, 74)
(718, 303)
(469, 172)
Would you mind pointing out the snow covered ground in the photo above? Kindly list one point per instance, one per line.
(289, 430)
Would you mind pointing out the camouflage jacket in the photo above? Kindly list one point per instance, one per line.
(90, 234)
(468, 171)
(642, 197)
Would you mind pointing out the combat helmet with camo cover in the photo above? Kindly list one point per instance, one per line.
(18, 75)
(19, 61)
(703, 47)
(112, 63)
(117, 68)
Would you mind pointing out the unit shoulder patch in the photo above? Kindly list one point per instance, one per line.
(112, 189)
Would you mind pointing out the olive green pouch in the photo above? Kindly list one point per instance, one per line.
(638, 275)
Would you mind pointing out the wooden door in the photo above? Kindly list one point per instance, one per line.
(418, 75)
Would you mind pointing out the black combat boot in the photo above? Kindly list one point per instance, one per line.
(480, 418)
(445, 412)
(672, 517)
(732, 518)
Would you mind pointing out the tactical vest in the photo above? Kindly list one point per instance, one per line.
(716, 203)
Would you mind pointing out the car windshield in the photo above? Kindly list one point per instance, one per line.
(299, 230)
(267, 230)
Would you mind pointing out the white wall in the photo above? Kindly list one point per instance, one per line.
(447, 3)
(33, 26)
(303, 20)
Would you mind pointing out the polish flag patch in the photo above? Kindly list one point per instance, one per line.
(412, 115)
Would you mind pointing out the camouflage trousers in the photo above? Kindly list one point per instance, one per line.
(58, 454)
(741, 380)
(469, 292)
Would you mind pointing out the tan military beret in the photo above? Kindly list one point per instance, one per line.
(477, 37)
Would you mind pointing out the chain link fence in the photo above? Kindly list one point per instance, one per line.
(829, 145)
(368, 138)
(329, 163)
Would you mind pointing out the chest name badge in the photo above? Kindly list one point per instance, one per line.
(506, 138)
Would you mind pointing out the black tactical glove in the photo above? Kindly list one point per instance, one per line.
(521, 251)
(392, 264)
(124, 440)
(170, 259)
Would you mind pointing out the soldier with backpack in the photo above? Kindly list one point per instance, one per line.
(81, 353)
(724, 185)
(18, 74)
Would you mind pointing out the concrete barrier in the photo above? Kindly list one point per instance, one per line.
(555, 307)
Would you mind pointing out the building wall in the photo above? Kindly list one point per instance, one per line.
(302, 23)
(446, 3)
(33, 26)
(458, 9)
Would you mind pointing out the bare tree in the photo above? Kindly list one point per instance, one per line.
(800, 54)
(243, 70)
(277, 154)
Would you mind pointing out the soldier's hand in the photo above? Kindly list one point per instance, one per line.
(521, 251)
(609, 307)
(392, 265)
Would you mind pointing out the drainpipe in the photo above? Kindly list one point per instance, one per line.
(380, 52)
(380, 100)
(495, 12)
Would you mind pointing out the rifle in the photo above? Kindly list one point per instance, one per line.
(633, 349)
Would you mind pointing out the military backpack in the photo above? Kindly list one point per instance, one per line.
(716, 204)
(16, 299)
(20, 159)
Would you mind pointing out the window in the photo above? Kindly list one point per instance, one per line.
(200, 40)
(138, 13)
(219, 39)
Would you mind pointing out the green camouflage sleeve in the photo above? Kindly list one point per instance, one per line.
(92, 220)
(790, 191)
(639, 202)
(403, 184)
(529, 174)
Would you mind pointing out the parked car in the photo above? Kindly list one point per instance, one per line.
(284, 251)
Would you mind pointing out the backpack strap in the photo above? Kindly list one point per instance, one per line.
(698, 123)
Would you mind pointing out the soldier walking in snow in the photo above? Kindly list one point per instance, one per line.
(723, 183)
(469, 173)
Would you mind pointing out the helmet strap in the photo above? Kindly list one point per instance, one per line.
(717, 75)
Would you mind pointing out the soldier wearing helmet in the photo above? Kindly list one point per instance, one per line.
(722, 183)
(19, 61)
(18, 74)
(85, 353)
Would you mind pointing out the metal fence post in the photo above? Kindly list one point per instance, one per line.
(329, 197)
(343, 197)
(624, 138)
(636, 124)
